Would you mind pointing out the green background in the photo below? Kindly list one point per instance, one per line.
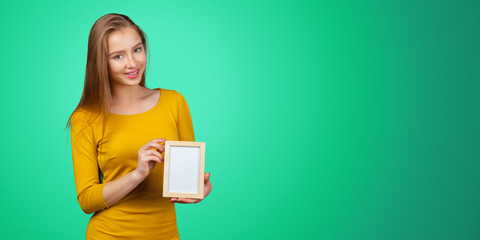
(323, 120)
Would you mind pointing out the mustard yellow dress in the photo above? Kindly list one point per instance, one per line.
(143, 213)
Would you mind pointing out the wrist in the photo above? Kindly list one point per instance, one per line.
(137, 177)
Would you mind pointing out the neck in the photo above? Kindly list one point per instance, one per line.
(126, 94)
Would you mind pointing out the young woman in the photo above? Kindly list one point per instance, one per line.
(117, 131)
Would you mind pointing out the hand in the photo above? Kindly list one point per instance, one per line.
(206, 190)
(148, 155)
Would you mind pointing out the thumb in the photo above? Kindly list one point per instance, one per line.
(207, 177)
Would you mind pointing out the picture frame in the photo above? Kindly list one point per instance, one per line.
(184, 169)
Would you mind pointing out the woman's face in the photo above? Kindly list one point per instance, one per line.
(126, 59)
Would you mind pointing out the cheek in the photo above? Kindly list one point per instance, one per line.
(141, 58)
(114, 67)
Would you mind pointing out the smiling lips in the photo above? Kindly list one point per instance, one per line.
(132, 74)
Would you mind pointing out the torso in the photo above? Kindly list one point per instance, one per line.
(147, 102)
(144, 213)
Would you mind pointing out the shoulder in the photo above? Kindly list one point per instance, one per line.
(79, 115)
(168, 93)
(84, 116)
(171, 96)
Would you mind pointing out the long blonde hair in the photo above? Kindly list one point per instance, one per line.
(96, 96)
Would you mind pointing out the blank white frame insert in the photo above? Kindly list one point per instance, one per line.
(184, 169)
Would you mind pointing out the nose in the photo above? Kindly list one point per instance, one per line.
(131, 62)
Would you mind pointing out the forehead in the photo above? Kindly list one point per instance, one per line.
(123, 39)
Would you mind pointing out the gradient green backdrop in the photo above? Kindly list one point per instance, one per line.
(323, 120)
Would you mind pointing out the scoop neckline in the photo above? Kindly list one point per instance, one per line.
(149, 110)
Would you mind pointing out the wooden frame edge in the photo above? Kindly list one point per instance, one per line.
(201, 175)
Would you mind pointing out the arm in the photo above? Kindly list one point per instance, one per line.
(92, 195)
(148, 155)
(85, 166)
(115, 190)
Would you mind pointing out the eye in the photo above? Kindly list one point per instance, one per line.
(138, 49)
(117, 57)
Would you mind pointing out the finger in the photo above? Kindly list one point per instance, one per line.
(189, 200)
(154, 152)
(151, 145)
(151, 165)
(207, 177)
(151, 158)
(160, 148)
(154, 141)
(175, 200)
(186, 200)
(159, 140)
(154, 146)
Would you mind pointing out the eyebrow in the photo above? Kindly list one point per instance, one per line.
(136, 45)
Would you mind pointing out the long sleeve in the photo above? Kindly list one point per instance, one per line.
(85, 166)
(184, 121)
